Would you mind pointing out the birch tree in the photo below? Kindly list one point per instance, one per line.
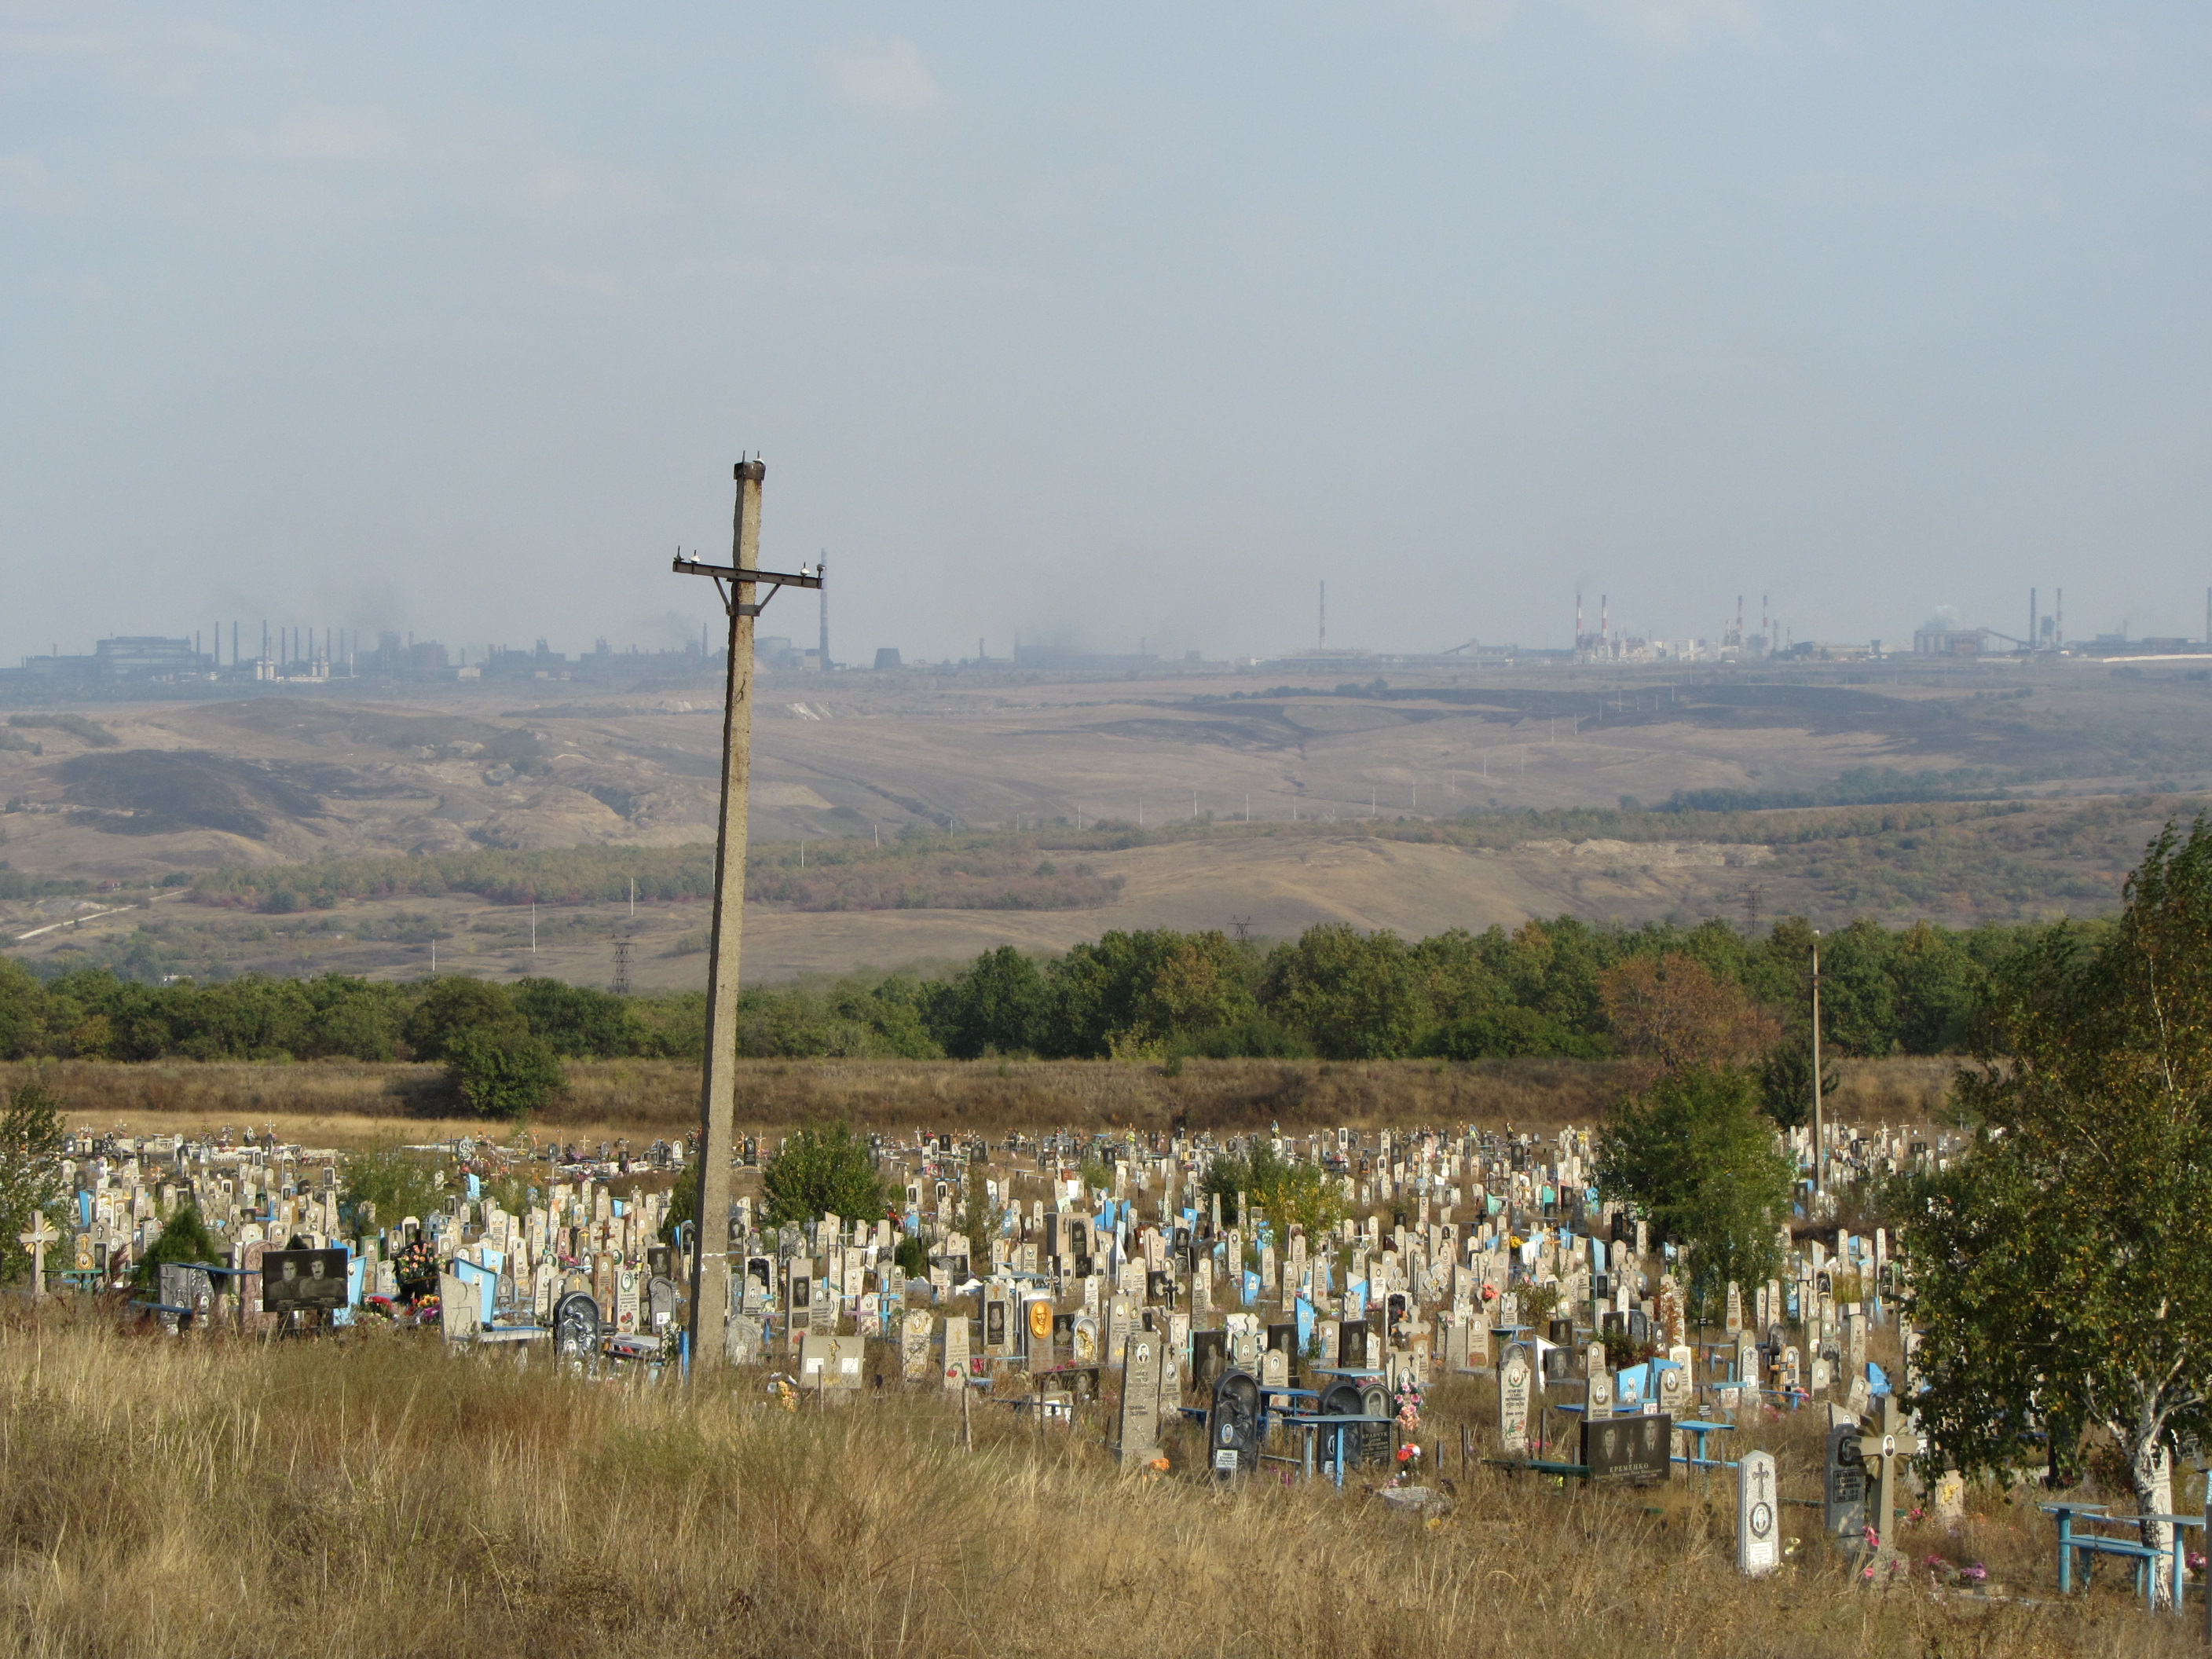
(2060, 1269)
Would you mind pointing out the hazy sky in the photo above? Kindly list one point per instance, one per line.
(1109, 323)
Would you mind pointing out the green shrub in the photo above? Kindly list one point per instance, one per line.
(503, 1073)
(184, 1237)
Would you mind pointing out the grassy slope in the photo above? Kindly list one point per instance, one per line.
(370, 1494)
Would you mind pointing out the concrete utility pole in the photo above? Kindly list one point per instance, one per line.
(718, 1096)
(1820, 1143)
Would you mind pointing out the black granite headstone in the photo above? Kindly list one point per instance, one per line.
(1629, 1449)
(1844, 1507)
(1232, 1425)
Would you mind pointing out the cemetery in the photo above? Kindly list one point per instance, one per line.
(1449, 1360)
(1709, 1375)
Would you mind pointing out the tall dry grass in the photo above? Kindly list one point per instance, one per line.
(650, 1099)
(371, 1494)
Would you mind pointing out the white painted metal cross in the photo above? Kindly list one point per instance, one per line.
(41, 1235)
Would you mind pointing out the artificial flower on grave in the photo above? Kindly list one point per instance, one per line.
(1409, 1456)
(1408, 1402)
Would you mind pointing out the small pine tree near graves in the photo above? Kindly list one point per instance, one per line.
(823, 1170)
(2058, 1270)
(184, 1237)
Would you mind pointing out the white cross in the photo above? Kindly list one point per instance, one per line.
(41, 1235)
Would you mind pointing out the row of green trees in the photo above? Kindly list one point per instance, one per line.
(1546, 988)
(1561, 987)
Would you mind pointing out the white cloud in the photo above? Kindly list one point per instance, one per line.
(887, 77)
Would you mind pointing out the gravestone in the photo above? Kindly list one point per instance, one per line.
(914, 1333)
(1634, 1451)
(576, 1326)
(1456, 1331)
(457, 1306)
(1244, 1343)
(1950, 1499)
(1672, 1391)
(742, 1337)
(829, 1362)
(660, 1302)
(1083, 1341)
(1232, 1425)
(955, 1351)
(1375, 1437)
(1732, 1320)
(1758, 1531)
(1514, 1387)
(1170, 1381)
(1844, 1498)
(799, 1300)
(1597, 1392)
(1036, 1326)
(1140, 1399)
(1209, 1357)
(1351, 1344)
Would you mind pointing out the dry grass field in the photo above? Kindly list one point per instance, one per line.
(344, 1102)
(1279, 887)
(367, 1493)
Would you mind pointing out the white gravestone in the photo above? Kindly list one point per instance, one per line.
(914, 1344)
(956, 1352)
(1513, 1388)
(1757, 1529)
(1598, 1394)
(1140, 1399)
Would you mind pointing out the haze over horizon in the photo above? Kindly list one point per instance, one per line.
(1100, 327)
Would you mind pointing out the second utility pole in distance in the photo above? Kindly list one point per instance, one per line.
(718, 1095)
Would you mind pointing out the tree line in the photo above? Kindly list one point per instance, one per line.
(1559, 987)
